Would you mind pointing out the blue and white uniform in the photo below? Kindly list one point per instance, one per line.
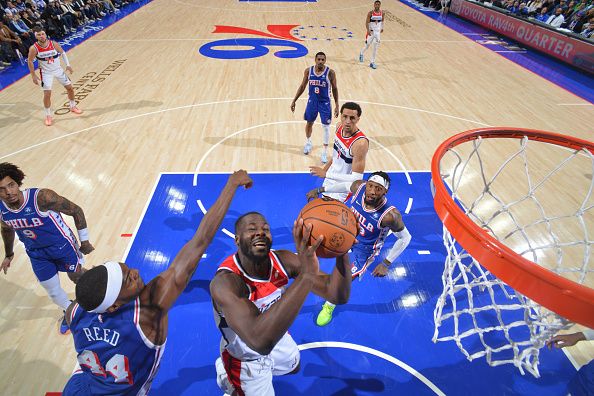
(371, 235)
(319, 96)
(50, 243)
(114, 355)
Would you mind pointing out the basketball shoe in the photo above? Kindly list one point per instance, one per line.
(64, 329)
(48, 120)
(307, 148)
(360, 57)
(373, 65)
(76, 110)
(325, 315)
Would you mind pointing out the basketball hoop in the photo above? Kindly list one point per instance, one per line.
(518, 230)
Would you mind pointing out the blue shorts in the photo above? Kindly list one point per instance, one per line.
(582, 383)
(361, 256)
(314, 107)
(77, 385)
(46, 262)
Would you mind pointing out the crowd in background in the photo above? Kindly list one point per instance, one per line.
(59, 18)
(574, 15)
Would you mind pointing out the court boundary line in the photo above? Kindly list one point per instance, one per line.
(375, 352)
(141, 217)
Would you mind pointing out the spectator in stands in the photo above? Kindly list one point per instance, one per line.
(12, 39)
(10, 8)
(543, 16)
(588, 28)
(514, 8)
(557, 18)
(24, 32)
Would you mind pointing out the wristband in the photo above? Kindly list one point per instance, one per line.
(386, 263)
(83, 235)
(319, 190)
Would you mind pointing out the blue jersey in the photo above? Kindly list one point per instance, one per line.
(371, 234)
(319, 86)
(114, 355)
(37, 229)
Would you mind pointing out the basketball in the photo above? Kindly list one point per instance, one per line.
(335, 221)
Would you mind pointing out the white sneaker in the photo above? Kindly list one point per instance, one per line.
(307, 148)
(324, 157)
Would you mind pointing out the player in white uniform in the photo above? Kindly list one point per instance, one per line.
(348, 154)
(374, 24)
(254, 305)
(48, 54)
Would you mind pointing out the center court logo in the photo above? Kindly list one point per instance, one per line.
(248, 47)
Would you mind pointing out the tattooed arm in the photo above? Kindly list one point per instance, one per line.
(49, 200)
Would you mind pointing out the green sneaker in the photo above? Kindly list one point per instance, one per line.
(325, 315)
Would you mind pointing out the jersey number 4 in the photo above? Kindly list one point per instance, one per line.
(117, 366)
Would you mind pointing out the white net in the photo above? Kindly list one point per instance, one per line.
(537, 199)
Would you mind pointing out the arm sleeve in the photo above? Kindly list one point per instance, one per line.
(343, 187)
(65, 58)
(343, 177)
(404, 238)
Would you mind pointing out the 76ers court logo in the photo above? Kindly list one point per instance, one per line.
(246, 48)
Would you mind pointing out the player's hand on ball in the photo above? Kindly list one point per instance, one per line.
(307, 253)
(241, 178)
(312, 194)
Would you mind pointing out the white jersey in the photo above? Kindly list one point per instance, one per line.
(48, 57)
(262, 292)
(376, 21)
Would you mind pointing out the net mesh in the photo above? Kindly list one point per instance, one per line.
(538, 201)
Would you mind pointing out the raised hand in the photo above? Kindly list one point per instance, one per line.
(241, 178)
(307, 253)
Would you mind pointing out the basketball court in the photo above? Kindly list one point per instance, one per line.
(178, 94)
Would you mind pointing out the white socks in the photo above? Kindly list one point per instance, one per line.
(326, 135)
(55, 291)
(48, 111)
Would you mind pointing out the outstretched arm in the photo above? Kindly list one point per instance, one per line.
(567, 340)
(262, 330)
(167, 286)
(300, 89)
(8, 239)
(393, 219)
(48, 200)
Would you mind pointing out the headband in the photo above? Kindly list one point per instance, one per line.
(380, 180)
(114, 286)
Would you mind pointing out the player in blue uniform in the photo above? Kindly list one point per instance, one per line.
(119, 324)
(322, 82)
(376, 219)
(35, 216)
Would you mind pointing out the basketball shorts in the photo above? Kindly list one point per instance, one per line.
(375, 36)
(362, 256)
(77, 385)
(342, 197)
(47, 78)
(46, 262)
(254, 377)
(315, 107)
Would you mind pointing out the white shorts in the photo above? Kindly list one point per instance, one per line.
(342, 197)
(254, 377)
(375, 36)
(47, 78)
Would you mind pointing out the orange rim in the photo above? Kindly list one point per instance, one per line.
(556, 293)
